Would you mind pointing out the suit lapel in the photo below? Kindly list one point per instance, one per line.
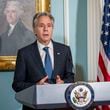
(57, 57)
(37, 59)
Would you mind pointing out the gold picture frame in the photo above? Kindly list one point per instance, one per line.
(7, 63)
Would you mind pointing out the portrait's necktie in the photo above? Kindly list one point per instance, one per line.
(47, 62)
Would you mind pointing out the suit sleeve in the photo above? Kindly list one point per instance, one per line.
(19, 82)
(69, 75)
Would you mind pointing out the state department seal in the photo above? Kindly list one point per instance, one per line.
(79, 96)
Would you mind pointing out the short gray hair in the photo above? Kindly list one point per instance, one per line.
(17, 5)
(40, 14)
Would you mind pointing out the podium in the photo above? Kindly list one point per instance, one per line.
(53, 95)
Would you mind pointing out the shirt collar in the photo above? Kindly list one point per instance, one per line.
(41, 46)
(12, 26)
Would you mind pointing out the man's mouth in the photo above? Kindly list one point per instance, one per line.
(45, 34)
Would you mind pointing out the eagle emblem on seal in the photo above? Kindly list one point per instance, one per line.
(80, 96)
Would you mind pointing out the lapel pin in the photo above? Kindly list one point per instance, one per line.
(58, 53)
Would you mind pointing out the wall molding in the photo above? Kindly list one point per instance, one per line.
(66, 22)
(94, 18)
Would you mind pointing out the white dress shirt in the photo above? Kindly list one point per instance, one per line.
(42, 52)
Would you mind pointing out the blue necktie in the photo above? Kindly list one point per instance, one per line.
(47, 62)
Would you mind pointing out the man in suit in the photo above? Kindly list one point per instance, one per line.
(17, 35)
(31, 64)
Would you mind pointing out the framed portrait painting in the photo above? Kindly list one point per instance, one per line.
(16, 28)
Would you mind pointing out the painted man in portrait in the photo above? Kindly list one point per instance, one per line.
(17, 35)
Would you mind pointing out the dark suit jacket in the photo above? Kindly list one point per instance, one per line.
(20, 37)
(29, 68)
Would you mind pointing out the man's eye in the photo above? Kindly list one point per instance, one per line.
(41, 25)
(49, 25)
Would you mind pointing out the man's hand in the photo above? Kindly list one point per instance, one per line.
(43, 81)
(59, 80)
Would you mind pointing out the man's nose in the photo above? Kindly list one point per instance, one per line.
(45, 28)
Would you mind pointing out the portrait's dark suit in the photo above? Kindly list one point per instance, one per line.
(29, 67)
(20, 37)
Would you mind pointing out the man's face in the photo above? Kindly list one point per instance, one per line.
(43, 29)
(11, 15)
